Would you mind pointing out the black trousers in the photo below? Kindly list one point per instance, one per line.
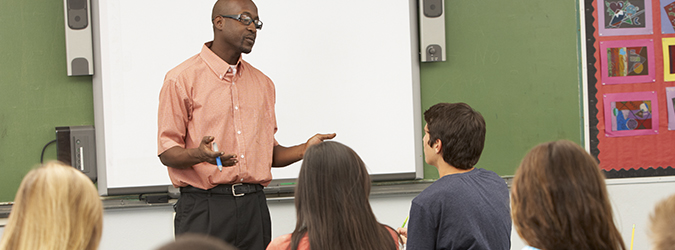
(243, 221)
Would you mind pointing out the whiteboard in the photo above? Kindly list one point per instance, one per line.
(349, 67)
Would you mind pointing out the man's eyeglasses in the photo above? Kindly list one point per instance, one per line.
(246, 20)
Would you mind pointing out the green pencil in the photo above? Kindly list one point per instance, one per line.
(406, 220)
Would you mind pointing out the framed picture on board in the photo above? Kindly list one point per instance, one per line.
(627, 61)
(670, 102)
(667, 16)
(631, 114)
(623, 17)
(668, 59)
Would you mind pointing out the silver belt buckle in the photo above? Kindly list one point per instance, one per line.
(235, 193)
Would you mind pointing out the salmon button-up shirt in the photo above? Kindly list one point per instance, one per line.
(205, 96)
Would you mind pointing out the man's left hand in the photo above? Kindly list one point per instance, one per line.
(318, 138)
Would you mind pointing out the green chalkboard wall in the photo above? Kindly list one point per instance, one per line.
(516, 62)
(36, 95)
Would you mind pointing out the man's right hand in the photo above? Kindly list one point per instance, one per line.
(205, 153)
(182, 158)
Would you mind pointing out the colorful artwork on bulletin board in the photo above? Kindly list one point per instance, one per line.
(627, 155)
(667, 16)
(668, 45)
(670, 102)
(631, 114)
(627, 61)
(624, 17)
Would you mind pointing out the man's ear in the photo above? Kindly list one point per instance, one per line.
(438, 146)
(218, 23)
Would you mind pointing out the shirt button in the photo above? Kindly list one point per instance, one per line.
(242, 156)
(238, 132)
(229, 70)
(242, 179)
(236, 107)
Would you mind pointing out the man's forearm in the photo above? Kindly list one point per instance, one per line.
(284, 156)
(180, 158)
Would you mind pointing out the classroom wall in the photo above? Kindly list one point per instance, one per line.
(36, 95)
(516, 63)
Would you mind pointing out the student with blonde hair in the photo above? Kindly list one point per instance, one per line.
(56, 208)
(663, 224)
(559, 200)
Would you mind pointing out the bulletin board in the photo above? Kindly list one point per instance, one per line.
(630, 85)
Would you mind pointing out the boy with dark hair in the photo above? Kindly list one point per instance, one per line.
(467, 207)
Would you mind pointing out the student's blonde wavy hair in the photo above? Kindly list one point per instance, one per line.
(56, 208)
(663, 224)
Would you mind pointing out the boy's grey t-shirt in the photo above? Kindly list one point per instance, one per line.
(462, 211)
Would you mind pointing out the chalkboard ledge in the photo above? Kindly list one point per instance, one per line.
(276, 193)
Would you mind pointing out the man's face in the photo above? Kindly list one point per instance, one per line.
(238, 36)
(429, 153)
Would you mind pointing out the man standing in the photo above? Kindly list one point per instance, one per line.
(467, 207)
(216, 97)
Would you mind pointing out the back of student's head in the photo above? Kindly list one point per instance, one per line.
(461, 130)
(559, 200)
(56, 207)
(663, 224)
(332, 173)
(192, 241)
(331, 201)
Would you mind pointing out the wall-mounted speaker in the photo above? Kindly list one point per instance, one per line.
(432, 30)
(79, 49)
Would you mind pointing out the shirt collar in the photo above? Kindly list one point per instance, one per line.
(219, 66)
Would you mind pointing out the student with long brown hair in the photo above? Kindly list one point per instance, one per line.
(56, 208)
(332, 207)
(559, 200)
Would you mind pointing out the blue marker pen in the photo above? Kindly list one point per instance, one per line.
(220, 164)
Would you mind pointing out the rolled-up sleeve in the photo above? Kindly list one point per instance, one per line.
(173, 115)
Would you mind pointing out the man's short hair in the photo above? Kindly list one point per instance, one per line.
(461, 130)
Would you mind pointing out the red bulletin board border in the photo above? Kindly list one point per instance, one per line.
(629, 156)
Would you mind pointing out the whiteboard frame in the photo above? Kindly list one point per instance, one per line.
(99, 115)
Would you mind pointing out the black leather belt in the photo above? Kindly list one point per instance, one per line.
(239, 189)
